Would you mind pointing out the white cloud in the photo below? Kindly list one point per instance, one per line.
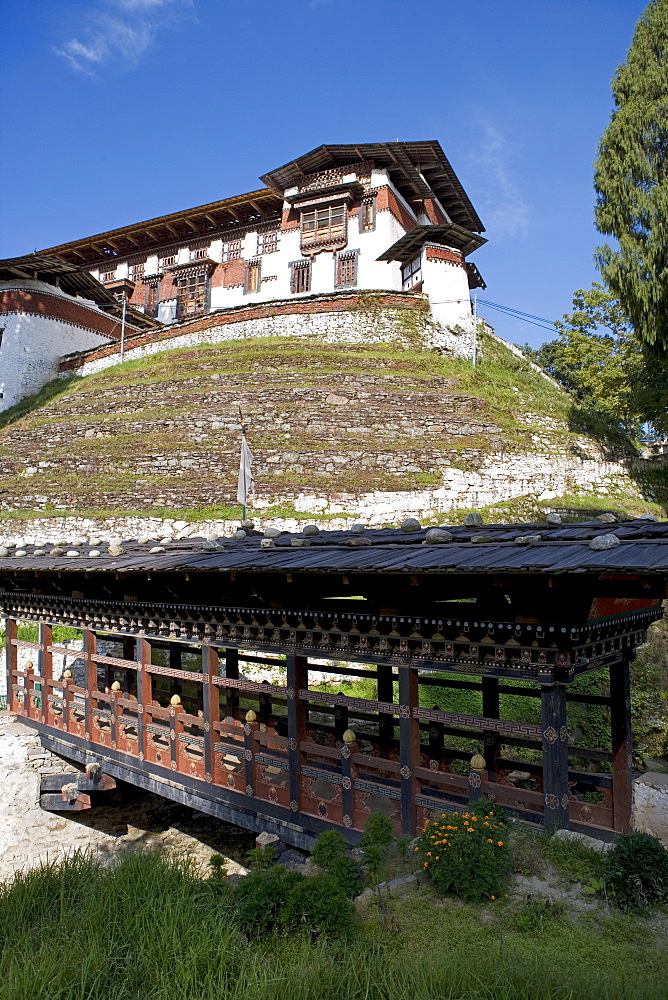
(503, 210)
(120, 31)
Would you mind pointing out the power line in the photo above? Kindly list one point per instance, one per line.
(539, 321)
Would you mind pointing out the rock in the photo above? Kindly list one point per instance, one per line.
(116, 550)
(553, 519)
(519, 776)
(646, 517)
(607, 518)
(310, 530)
(358, 528)
(166, 540)
(272, 532)
(358, 542)
(602, 542)
(56, 551)
(156, 550)
(239, 534)
(72, 553)
(528, 539)
(334, 400)
(481, 539)
(248, 525)
(265, 839)
(267, 543)
(211, 546)
(298, 543)
(20, 553)
(37, 552)
(411, 525)
(114, 540)
(4, 551)
(94, 553)
(582, 838)
(212, 536)
(437, 536)
(402, 886)
(473, 520)
(143, 539)
(95, 542)
(364, 899)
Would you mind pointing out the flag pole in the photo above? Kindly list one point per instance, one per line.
(244, 509)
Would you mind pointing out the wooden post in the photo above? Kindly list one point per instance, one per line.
(297, 679)
(210, 706)
(435, 742)
(45, 661)
(175, 661)
(491, 710)
(89, 650)
(386, 694)
(348, 775)
(622, 749)
(232, 671)
(144, 692)
(340, 720)
(250, 729)
(11, 661)
(409, 737)
(555, 757)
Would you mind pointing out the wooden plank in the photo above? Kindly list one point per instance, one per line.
(622, 747)
(11, 662)
(89, 647)
(45, 661)
(144, 690)
(210, 706)
(479, 722)
(409, 747)
(491, 710)
(555, 757)
(297, 678)
(232, 673)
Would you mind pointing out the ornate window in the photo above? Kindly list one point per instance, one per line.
(411, 274)
(346, 269)
(300, 276)
(367, 214)
(267, 242)
(192, 293)
(323, 226)
(200, 254)
(136, 272)
(108, 275)
(232, 250)
(168, 261)
(252, 276)
(152, 297)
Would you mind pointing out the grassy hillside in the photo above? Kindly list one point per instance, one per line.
(162, 433)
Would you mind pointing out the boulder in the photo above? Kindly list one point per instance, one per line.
(410, 525)
(602, 542)
(473, 520)
(437, 536)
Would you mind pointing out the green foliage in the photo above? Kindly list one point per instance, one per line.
(537, 916)
(318, 905)
(649, 695)
(573, 859)
(261, 859)
(260, 897)
(378, 831)
(47, 393)
(631, 180)
(466, 854)
(636, 872)
(330, 852)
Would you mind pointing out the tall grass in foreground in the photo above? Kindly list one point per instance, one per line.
(149, 928)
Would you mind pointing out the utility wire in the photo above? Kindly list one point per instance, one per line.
(539, 321)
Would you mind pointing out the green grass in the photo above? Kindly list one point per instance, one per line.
(150, 929)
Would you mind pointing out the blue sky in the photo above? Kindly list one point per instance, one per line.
(121, 110)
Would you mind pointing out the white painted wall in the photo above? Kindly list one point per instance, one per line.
(32, 345)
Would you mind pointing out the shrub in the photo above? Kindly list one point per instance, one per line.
(466, 853)
(260, 859)
(378, 831)
(260, 897)
(636, 871)
(330, 852)
(317, 905)
(329, 847)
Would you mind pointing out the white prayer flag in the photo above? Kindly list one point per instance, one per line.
(246, 483)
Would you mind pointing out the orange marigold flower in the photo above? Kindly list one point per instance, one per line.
(492, 897)
(500, 843)
(488, 841)
(437, 858)
(428, 854)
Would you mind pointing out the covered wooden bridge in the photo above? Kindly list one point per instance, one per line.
(424, 617)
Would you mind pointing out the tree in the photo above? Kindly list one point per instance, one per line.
(631, 181)
(596, 356)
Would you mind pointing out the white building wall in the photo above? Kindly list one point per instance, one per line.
(447, 286)
(32, 345)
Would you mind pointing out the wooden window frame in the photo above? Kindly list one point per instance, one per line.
(345, 266)
(300, 275)
(136, 272)
(367, 202)
(168, 261)
(234, 254)
(254, 265)
(106, 276)
(331, 233)
(152, 297)
(192, 294)
(271, 238)
(407, 284)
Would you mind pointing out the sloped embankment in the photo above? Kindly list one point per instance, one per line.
(329, 424)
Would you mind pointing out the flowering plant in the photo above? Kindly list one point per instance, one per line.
(466, 853)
